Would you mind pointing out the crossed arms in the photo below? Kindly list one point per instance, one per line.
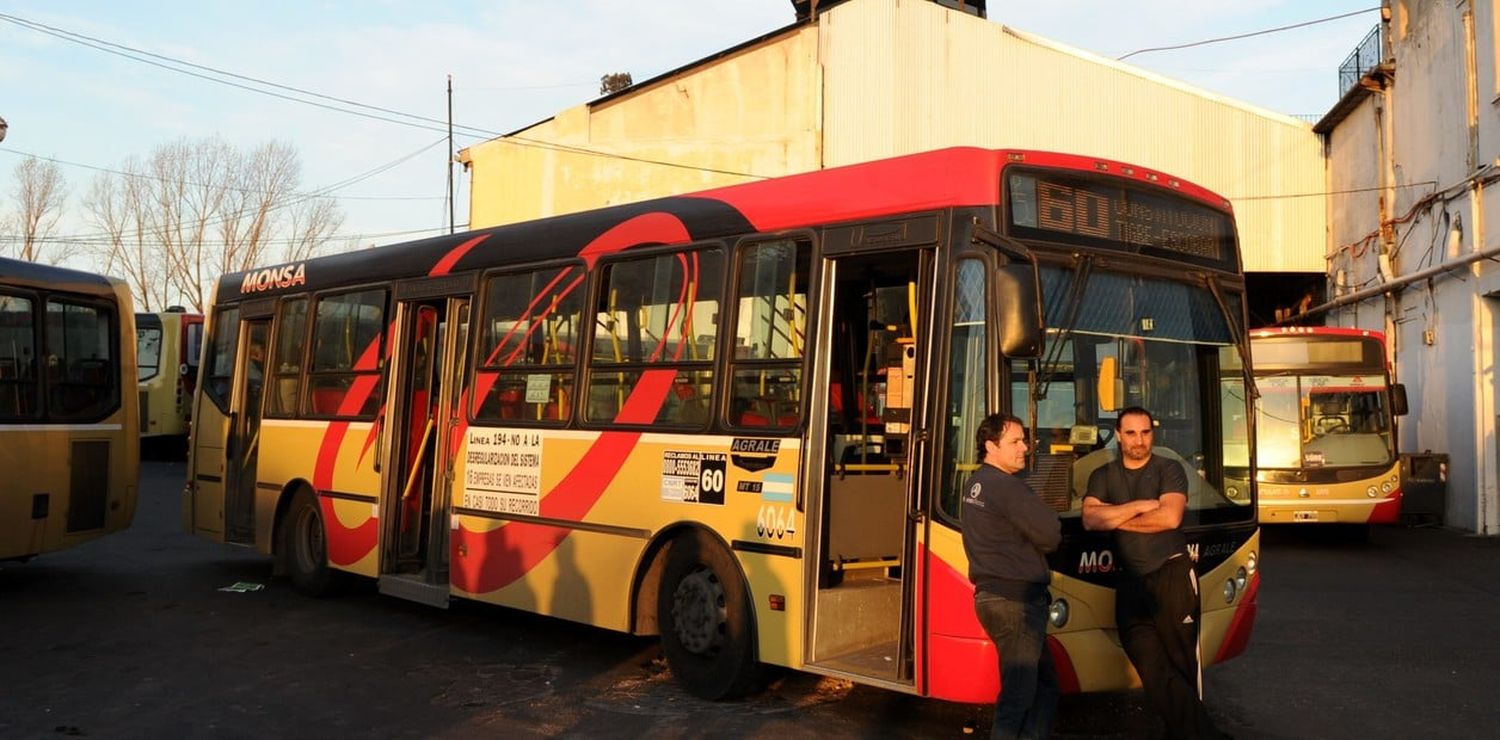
(1144, 516)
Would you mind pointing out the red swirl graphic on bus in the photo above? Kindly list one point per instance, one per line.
(571, 499)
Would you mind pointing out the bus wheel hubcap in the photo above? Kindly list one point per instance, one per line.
(698, 612)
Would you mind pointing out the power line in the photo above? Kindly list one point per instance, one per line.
(1236, 37)
(421, 122)
(288, 201)
(322, 192)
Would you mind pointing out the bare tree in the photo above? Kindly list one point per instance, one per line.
(119, 207)
(40, 191)
(198, 209)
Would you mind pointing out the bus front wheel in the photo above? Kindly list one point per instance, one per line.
(304, 545)
(707, 631)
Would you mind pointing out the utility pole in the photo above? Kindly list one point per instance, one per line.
(450, 154)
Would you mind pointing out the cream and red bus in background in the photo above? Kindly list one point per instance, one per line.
(168, 345)
(1326, 448)
(741, 419)
(69, 446)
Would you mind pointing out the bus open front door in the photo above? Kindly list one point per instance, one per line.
(242, 450)
(426, 377)
(863, 623)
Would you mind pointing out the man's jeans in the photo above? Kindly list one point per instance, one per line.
(1028, 680)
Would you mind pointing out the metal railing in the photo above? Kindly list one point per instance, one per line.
(1369, 54)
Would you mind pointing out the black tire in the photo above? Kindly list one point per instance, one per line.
(707, 630)
(304, 545)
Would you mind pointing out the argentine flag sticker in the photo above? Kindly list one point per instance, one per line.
(777, 488)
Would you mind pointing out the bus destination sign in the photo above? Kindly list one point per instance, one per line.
(1094, 213)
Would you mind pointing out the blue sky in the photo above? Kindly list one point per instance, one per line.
(513, 63)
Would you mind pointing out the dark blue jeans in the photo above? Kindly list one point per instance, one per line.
(1028, 681)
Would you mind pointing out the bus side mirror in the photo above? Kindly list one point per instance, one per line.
(1018, 295)
(1398, 399)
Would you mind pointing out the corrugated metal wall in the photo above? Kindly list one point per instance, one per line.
(879, 78)
(910, 76)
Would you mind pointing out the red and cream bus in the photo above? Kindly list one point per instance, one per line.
(741, 419)
(69, 449)
(1326, 426)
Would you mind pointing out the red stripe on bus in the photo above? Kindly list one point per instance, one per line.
(488, 561)
(1241, 624)
(647, 228)
(352, 544)
(962, 664)
(450, 259)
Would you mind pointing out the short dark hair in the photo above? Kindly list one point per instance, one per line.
(1132, 410)
(990, 429)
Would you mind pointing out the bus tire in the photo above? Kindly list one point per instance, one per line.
(304, 545)
(707, 631)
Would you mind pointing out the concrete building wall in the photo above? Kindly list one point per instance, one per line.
(1358, 184)
(1440, 147)
(879, 78)
(752, 112)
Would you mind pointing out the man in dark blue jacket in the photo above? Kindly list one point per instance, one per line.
(1008, 531)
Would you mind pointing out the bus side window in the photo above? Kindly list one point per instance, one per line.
(18, 386)
(770, 334)
(528, 346)
(286, 362)
(348, 347)
(656, 314)
(80, 361)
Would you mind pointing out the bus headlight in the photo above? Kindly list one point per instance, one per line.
(1239, 579)
(1057, 614)
(1385, 487)
(1251, 562)
(1230, 591)
(1372, 492)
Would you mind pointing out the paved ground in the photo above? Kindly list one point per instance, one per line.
(130, 637)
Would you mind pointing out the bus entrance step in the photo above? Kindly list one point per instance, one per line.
(415, 588)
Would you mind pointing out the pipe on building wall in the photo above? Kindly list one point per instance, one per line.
(1393, 285)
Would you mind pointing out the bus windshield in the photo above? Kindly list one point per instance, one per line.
(1136, 341)
(1323, 421)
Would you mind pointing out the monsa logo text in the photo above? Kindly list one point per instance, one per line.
(286, 276)
(1102, 561)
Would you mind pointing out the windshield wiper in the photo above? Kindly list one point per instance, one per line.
(1236, 335)
(1083, 266)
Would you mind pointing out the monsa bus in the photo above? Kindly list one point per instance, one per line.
(741, 419)
(167, 348)
(68, 444)
(1325, 426)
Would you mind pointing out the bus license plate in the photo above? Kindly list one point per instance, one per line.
(1304, 516)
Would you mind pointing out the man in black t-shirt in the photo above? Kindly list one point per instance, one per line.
(1141, 497)
(1008, 530)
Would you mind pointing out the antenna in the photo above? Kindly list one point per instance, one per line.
(450, 154)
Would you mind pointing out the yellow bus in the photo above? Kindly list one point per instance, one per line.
(741, 419)
(1326, 427)
(168, 345)
(69, 449)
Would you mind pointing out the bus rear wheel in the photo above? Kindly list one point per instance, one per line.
(707, 631)
(304, 545)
